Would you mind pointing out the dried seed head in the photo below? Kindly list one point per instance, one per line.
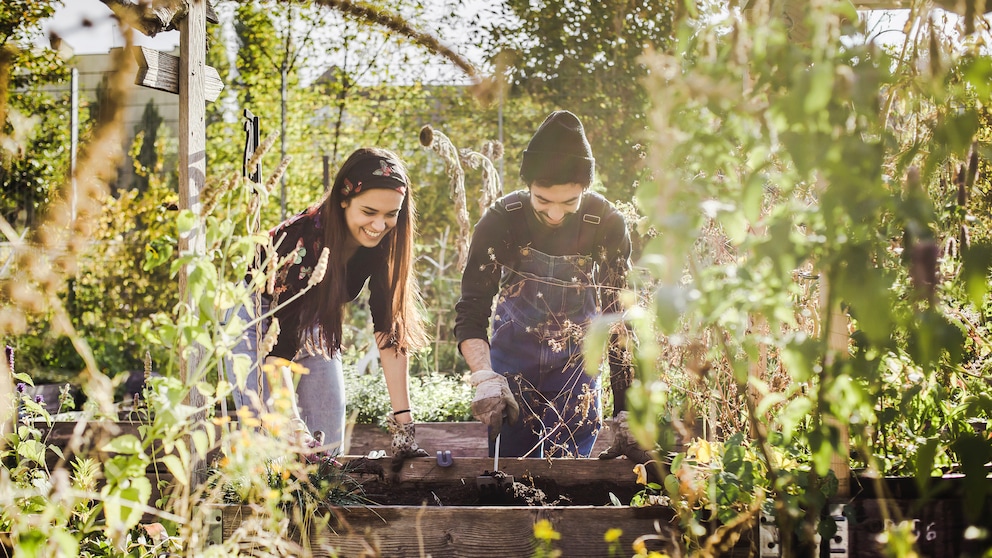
(270, 184)
(427, 136)
(271, 336)
(270, 283)
(320, 269)
(959, 180)
(494, 150)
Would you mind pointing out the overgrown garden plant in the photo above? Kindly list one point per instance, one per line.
(810, 186)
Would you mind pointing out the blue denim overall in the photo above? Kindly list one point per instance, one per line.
(541, 316)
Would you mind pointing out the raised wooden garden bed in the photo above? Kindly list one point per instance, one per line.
(436, 507)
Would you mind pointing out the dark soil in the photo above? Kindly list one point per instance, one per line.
(489, 489)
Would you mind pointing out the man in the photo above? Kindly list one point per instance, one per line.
(555, 256)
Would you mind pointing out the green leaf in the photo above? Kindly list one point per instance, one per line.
(977, 71)
(794, 415)
(157, 252)
(593, 345)
(119, 503)
(925, 455)
(201, 443)
(186, 221)
(127, 444)
(176, 467)
(799, 360)
(752, 197)
(32, 450)
(976, 264)
(671, 302)
(734, 224)
(821, 88)
(672, 486)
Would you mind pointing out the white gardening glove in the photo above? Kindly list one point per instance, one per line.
(493, 401)
(404, 442)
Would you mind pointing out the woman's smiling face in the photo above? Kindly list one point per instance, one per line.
(371, 214)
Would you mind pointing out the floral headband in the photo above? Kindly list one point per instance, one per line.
(376, 172)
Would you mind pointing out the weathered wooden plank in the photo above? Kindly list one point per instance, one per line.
(462, 439)
(160, 70)
(467, 532)
(566, 472)
(939, 526)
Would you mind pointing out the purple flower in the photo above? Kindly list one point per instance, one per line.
(21, 387)
(39, 399)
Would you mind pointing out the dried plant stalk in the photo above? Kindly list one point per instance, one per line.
(433, 139)
(492, 186)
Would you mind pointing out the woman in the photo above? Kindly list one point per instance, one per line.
(366, 222)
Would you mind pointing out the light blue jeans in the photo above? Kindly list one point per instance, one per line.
(320, 394)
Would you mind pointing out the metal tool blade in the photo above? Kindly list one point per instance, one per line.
(496, 457)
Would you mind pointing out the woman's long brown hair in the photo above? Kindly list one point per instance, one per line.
(403, 324)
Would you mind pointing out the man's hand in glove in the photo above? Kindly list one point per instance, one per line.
(493, 401)
(624, 442)
(404, 442)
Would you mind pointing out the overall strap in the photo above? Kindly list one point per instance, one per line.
(589, 230)
(513, 204)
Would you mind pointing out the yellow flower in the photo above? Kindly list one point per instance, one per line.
(612, 535)
(544, 531)
(299, 369)
(642, 473)
(640, 547)
(272, 421)
(701, 450)
(705, 452)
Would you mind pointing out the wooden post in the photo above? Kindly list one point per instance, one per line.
(192, 175)
(838, 339)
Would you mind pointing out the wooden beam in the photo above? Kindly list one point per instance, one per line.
(151, 17)
(483, 532)
(160, 70)
(192, 177)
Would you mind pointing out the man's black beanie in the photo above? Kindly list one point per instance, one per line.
(559, 153)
